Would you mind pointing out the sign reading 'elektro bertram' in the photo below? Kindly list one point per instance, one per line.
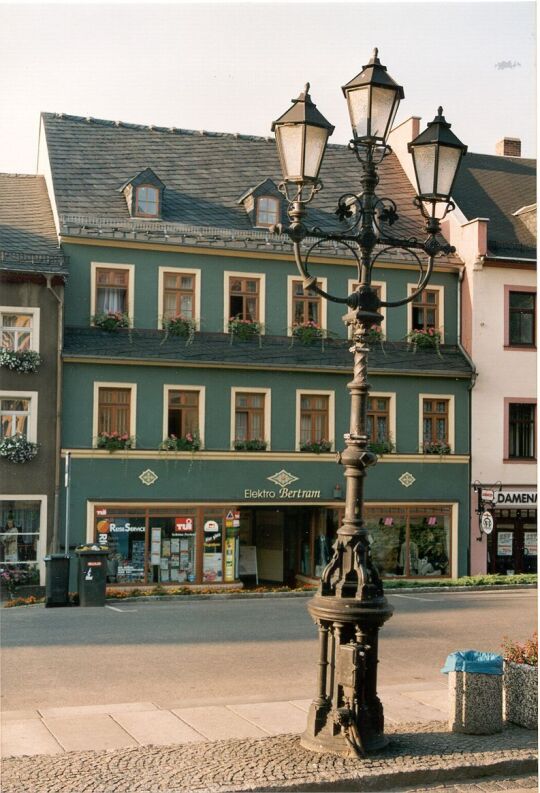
(283, 479)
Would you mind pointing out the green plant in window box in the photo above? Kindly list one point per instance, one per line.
(307, 332)
(112, 320)
(383, 446)
(17, 448)
(26, 361)
(429, 339)
(179, 326)
(190, 442)
(435, 447)
(250, 446)
(113, 441)
(375, 335)
(317, 447)
(244, 329)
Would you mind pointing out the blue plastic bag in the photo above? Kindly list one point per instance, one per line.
(474, 661)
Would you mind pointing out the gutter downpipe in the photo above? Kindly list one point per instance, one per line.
(58, 440)
(469, 389)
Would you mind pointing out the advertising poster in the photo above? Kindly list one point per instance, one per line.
(229, 559)
(529, 543)
(504, 543)
(212, 570)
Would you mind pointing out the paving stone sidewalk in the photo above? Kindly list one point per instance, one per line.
(417, 755)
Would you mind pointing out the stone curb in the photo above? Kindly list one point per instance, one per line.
(307, 593)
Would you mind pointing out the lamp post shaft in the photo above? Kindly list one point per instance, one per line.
(346, 718)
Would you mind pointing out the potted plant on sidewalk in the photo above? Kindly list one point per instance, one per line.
(520, 682)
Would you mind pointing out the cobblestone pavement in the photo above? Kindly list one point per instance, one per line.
(515, 784)
(417, 755)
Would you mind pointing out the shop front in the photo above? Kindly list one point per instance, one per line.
(22, 537)
(183, 544)
(512, 545)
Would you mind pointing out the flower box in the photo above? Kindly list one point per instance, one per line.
(250, 446)
(374, 335)
(244, 329)
(179, 326)
(307, 332)
(113, 441)
(435, 447)
(25, 361)
(187, 443)
(112, 320)
(520, 682)
(317, 447)
(381, 447)
(425, 339)
(18, 449)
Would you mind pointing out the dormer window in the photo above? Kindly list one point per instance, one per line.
(144, 195)
(147, 202)
(267, 211)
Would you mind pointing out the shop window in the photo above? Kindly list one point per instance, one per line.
(19, 329)
(19, 537)
(425, 310)
(249, 418)
(306, 306)
(173, 547)
(213, 547)
(244, 296)
(147, 201)
(111, 290)
(435, 421)
(314, 418)
(183, 413)
(521, 430)
(267, 211)
(114, 411)
(378, 420)
(179, 295)
(125, 537)
(410, 542)
(522, 319)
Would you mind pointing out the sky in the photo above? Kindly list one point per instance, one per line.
(234, 67)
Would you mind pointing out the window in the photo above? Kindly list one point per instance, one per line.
(425, 310)
(147, 201)
(521, 435)
(114, 410)
(244, 298)
(522, 318)
(20, 523)
(378, 419)
(314, 418)
(267, 211)
(183, 413)
(306, 306)
(112, 290)
(250, 419)
(179, 295)
(435, 421)
(19, 329)
(14, 416)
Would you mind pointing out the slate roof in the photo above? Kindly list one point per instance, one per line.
(204, 173)
(494, 187)
(28, 239)
(272, 352)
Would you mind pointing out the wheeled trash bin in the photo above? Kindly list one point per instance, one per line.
(56, 580)
(92, 576)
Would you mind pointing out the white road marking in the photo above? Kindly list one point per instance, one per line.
(122, 611)
(412, 597)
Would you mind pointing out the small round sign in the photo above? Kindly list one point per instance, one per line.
(486, 522)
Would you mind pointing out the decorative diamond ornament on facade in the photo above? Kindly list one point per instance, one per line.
(282, 478)
(407, 479)
(148, 477)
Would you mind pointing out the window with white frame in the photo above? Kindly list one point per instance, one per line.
(112, 289)
(115, 406)
(437, 423)
(267, 211)
(183, 413)
(250, 419)
(21, 521)
(18, 414)
(315, 420)
(19, 329)
(147, 201)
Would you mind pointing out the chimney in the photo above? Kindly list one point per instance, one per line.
(509, 147)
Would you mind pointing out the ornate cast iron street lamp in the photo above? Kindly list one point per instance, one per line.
(349, 608)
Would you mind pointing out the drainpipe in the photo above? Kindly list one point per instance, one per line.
(58, 441)
(469, 388)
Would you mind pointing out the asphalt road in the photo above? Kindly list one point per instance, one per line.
(181, 654)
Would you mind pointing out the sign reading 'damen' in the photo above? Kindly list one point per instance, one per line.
(283, 479)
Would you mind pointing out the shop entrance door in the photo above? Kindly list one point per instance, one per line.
(269, 542)
(513, 543)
